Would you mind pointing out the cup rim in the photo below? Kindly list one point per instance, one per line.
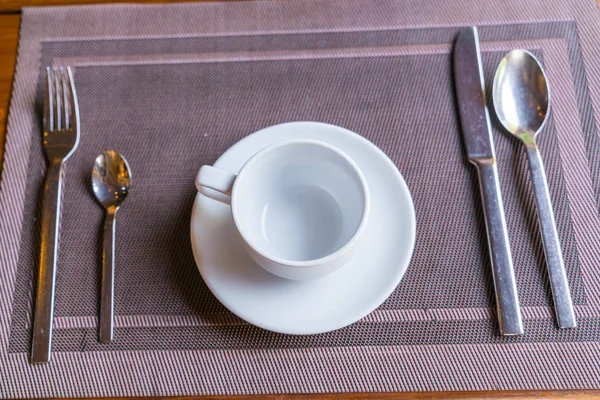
(317, 261)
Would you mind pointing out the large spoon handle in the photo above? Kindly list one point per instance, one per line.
(554, 259)
(507, 300)
(108, 276)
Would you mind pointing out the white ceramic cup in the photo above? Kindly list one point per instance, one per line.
(300, 206)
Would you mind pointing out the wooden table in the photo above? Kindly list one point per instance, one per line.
(9, 34)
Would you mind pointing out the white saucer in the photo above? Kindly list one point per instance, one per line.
(322, 304)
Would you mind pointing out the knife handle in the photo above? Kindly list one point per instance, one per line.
(507, 300)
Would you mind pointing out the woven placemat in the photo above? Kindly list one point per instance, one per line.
(173, 86)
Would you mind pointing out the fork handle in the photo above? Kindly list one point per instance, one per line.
(42, 325)
(108, 277)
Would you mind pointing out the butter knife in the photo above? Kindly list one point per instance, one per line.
(477, 133)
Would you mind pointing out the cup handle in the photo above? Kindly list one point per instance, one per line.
(217, 180)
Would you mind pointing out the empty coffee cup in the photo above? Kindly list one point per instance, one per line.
(300, 206)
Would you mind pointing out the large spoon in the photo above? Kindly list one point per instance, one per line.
(110, 180)
(522, 102)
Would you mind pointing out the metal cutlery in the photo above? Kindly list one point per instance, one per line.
(111, 179)
(60, 139)
(476, 128)
(522, 102)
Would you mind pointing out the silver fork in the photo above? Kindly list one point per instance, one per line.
(61, 136)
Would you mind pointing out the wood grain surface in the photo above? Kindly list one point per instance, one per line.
(15, 5)
(9, 33)
(551, 395)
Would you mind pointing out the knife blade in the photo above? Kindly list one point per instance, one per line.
(477, 135)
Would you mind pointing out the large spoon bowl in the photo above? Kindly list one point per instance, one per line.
(521, 95)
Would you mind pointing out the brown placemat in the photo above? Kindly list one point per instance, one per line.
(173, 86)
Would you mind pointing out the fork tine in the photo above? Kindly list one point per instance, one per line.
(73, 108)
(65, 92)
(57, 101)
(48, 103)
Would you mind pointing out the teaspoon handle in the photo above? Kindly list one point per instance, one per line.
(507, 299)
(554, 259)
(108, 276)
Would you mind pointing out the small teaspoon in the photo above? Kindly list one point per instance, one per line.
(111, 179)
